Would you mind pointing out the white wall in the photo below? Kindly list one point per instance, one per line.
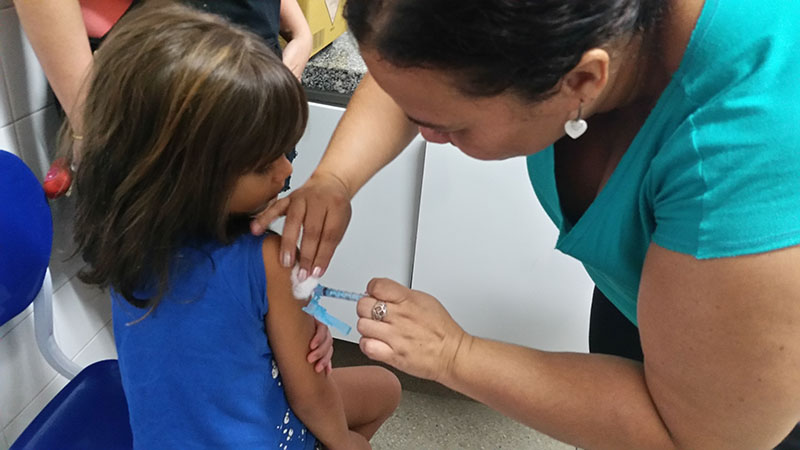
(28, 122)
(485, 249)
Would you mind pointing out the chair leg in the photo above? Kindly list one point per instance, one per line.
(43, 325)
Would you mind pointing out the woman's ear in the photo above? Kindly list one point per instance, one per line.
(589, 77)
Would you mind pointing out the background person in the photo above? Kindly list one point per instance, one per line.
(58, 33)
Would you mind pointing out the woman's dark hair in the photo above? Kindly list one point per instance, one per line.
(179, 105)
(521, 46)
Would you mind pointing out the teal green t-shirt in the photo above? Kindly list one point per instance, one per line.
(715, 169)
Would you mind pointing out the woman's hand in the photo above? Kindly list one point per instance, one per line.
(417, 335)
(321, 346)
(322, 208)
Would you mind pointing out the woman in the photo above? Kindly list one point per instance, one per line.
(660, 138)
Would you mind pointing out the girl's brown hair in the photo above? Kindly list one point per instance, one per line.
(179, 105)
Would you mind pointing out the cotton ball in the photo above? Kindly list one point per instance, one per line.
(302, 289)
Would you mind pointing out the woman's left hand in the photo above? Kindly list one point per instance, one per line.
(321, 346)
(416, 334)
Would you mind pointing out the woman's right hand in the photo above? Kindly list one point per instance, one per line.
(416, 334)
(321, 207)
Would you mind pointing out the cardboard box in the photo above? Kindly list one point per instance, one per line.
(325, 20)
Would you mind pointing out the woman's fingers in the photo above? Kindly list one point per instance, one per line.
(414, 333)
(388, 290)
(294, 208)
(327, 218)
(323, 228)
(295, 215)
(336, 220)
(319, 210)
(376, 340)
(377, 350)
(262, 221)
(393, 295)
(312, 228)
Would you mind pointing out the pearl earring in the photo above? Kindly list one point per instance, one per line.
(576, 127)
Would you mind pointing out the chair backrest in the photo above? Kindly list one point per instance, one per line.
(26, 236)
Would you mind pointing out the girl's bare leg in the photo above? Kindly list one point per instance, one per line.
(370, 395)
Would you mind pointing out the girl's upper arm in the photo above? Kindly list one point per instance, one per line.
(721, 340)
(289, 329)
(313, 396)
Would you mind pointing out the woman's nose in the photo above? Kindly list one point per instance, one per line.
(436, 137)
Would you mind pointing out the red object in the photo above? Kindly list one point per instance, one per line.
(100, 15)
(58, 179)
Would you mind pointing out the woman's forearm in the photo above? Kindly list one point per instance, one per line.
(372, 132)
(593, 401)
(58, 36)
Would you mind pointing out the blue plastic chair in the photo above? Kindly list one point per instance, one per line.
(90, 412)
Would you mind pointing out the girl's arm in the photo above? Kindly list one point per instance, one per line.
(58, 36)
(313, 397)
(294, 28)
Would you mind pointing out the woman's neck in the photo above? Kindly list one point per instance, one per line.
(646, 62)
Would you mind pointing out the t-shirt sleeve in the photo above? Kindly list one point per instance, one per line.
(727, 182)
(257, 275)
(243, 267)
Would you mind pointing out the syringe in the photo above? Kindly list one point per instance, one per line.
(320, 313)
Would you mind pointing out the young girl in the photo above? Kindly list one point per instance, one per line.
(187, 123)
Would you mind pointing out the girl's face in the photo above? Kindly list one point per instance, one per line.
(488, 128)
(254, 190)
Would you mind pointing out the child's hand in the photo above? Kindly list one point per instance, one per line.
(321, 349)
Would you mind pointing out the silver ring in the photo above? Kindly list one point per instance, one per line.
(379, 311)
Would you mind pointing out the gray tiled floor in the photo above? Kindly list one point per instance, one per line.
(432, 417)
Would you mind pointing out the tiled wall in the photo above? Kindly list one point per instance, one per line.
(28, 122)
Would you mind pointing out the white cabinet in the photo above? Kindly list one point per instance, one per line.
(380, 239)
(471, 231)
(484, 248)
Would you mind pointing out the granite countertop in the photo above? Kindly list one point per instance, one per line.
(332, 75)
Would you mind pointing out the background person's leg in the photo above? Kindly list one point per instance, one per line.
(370, 395)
